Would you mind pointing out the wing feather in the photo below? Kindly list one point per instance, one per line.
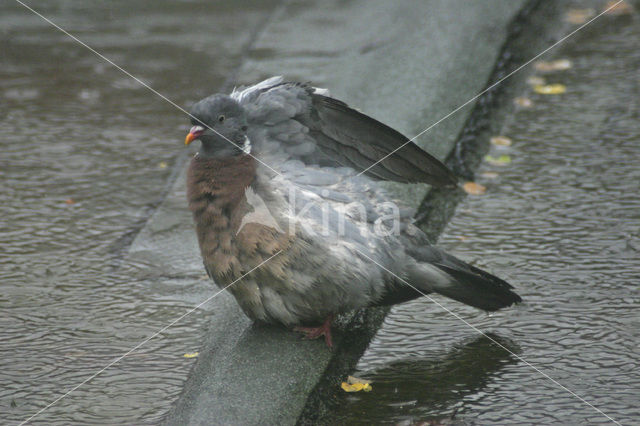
(370, 141)
(321, 130)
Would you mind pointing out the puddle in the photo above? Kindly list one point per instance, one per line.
(86, 153)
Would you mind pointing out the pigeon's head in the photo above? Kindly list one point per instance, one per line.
(221, 125)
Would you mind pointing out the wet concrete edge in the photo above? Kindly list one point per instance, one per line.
(537, 26)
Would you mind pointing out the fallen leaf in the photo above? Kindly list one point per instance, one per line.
(355, 384)
(614, 8)
(523, 102)
(462, 238)
(503, 160)
(534, 80)
(473, 188)
(69, 201)
(489, 175)
(579, 16)
(191, 354)
(557, 65)
(356, 387)
(162, 165)
(550, 89)
(500, 141)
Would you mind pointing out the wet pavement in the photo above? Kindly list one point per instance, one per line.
(561, 222)
(86, 156)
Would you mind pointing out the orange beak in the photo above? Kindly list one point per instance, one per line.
(194, 134)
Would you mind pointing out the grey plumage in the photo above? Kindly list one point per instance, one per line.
(331, 222)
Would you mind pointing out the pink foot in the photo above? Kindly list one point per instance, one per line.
(316, 332)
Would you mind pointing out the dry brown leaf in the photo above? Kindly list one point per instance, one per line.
(473, 188)
(69, 201)
(500, 141)
(579, 16)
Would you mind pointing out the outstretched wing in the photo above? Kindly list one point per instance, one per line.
(300, 122)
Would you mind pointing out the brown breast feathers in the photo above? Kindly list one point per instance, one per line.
(216, 191)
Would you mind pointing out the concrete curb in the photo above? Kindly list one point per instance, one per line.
(405, 63)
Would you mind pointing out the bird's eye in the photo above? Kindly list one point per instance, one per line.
(221, 118)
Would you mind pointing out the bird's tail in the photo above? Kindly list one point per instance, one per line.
(451, 277)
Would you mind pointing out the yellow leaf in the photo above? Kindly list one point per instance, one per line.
(500, 141)
(498, 161)
(355, 384)
(579, 16)
(191, 354)
(550, 89)
(162, 165)
(473, 188)
(351, 388)
(356, 387)
(557, 65)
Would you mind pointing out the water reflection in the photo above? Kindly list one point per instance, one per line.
(422, 389)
